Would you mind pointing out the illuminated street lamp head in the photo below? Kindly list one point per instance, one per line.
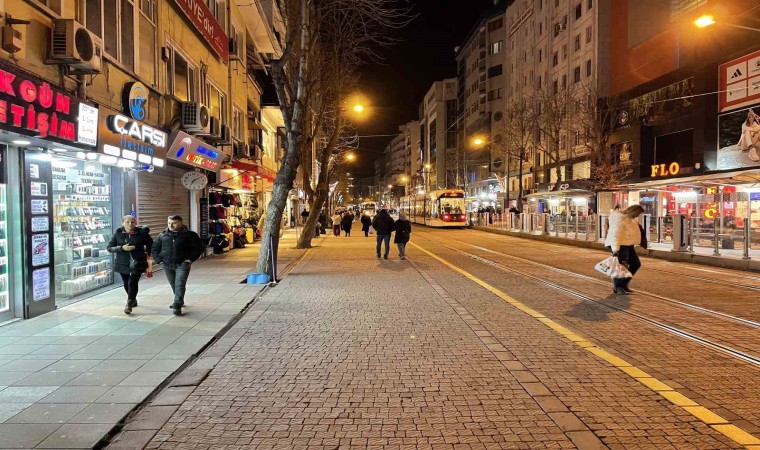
(404, 179)
(704, 21)
(358, 108)
(428, 166)
(390, 186)
(350, 156)
(478, 141)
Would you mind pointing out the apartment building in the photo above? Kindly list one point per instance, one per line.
(482, 88)
(554, 46)
(122, 107)
(412, 160)
(395, 161)
(438, 134)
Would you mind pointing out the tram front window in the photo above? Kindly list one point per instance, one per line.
(452, 208)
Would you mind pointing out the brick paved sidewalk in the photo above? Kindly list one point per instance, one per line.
(353, 352)
(69, 376)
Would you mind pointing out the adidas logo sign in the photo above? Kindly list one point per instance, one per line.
(737, 73)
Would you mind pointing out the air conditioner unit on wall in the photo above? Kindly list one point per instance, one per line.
(75, 46)
(225, 135)
(240, 150)
(215, 130)
(195, 118)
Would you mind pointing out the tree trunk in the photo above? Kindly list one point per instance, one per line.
(309, 229)
(282, 186)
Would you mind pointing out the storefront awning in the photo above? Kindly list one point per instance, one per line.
(255, 169)
(561, 194)
(740, 177)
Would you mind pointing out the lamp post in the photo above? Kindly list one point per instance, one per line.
(707, 20)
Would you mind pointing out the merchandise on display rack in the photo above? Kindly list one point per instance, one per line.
(232, 219)
(82, 226)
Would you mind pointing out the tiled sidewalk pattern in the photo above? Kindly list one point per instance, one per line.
(70, 375)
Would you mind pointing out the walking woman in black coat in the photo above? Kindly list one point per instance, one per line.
(347, 222)
(131, 245)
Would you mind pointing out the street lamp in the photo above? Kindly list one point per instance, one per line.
(358, 108)
(707, 20)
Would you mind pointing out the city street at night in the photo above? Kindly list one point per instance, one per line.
(477, 341)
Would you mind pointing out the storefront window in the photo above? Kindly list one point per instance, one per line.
(82, 226)
(4, 282)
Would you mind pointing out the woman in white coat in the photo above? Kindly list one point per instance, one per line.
(623, 235)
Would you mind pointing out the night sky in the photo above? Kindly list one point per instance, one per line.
(424, 55)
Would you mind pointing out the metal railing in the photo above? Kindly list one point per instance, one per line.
(660, 230)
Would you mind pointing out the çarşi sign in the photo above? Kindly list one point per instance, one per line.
(125, 137)
(31, 106)
(207, 25)
(194, 152)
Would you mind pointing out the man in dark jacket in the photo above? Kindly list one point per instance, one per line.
(383, 225)
(176, 248)
(366, 222)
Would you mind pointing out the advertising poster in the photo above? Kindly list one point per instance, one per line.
(739, 139)
(38, 235)
(40, 249)
(41, 284)
(40, 207)
(40, 224)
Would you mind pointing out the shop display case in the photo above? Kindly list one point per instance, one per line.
(82, 227)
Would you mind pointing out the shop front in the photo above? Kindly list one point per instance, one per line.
(233, 210)
(194, 164)
(47, 219)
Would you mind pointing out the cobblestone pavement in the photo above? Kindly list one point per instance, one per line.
(354, 352)
(69, 376)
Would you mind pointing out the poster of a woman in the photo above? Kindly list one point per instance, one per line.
(739, 140)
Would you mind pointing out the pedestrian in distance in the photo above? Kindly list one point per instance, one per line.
(132, 246)
(304, 216)
(366, 223)
(323, 222)
(403, 229)
(383, 225)
(347, 222)
(623, 235)
(176, 249)
(336, 224)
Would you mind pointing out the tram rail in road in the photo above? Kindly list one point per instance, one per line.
(707, 416)
(705, 341)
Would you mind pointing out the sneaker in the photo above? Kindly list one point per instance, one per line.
(171, 305)
(402, 257)
(177, 311)
(378, 256)
(128, 309)
(385, 256)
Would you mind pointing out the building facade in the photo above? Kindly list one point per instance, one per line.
(438, 143)
(106, 106)
(482, 83)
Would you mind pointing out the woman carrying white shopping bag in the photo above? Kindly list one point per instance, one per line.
(623, 235)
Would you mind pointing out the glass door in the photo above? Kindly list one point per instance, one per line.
(6, 306)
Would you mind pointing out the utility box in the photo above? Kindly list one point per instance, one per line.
(680, 233)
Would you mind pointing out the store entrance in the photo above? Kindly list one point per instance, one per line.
(6, 305)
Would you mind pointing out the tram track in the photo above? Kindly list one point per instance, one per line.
(724, 348)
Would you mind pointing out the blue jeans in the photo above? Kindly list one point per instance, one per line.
(177, 277)
(380, 240)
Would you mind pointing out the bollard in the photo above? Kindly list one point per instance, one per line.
(747, 239)
(691, 235)
(716, 240)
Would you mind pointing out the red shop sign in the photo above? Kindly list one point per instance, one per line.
(207, 26)
(32, 106)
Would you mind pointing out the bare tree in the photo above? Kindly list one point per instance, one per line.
(517, 131)
(313, 30)
(597, 117)
(553, 105)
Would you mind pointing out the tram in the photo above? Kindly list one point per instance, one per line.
(368, 208)
(441, 208)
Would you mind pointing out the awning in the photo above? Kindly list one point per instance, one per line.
(743, 177)
(255, 169)
(561, 194)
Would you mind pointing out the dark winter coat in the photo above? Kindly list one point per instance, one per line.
(347, 222)
(140, 239)
(383, 224)
(175, 247)
(403, 229)
(366, 222)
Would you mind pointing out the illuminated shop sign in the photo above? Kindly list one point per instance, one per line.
(33, 107)
(194, 152)
(135, 100)
(130, 139)
(665, 170)
(207, 26)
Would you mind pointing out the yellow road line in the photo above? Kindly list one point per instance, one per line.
(711, 419)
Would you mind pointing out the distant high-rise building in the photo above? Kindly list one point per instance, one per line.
(437, 134)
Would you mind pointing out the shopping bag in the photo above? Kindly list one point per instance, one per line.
(618, 270)
(604, 267)
(371, 230)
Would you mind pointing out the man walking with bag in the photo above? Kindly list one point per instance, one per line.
(176, 248)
